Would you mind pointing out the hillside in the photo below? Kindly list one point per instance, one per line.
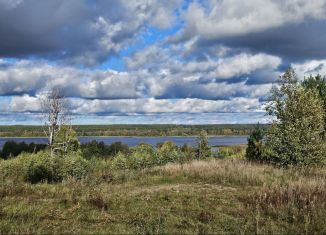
(213, 196)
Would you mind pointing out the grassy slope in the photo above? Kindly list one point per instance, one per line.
(217, 196)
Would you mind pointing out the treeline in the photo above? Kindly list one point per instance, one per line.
(95, 149)
(135, 130)
(13, 149)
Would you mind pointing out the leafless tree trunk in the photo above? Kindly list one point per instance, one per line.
(54, 108)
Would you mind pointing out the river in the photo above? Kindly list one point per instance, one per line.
(134, 140)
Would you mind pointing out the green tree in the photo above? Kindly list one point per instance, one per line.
(66, 140)
(296, 134)
(254, 151)
(318, 83)
(203, 148)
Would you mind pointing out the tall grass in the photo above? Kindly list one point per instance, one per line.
(208, 196)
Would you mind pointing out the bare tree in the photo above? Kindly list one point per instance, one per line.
(55, 115)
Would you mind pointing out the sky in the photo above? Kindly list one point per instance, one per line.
(155, 61)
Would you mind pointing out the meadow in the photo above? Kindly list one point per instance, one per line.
(223, 194)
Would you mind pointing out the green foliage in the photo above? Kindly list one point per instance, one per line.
(141, 157)
(212, 197)
(41, 167)
(296, 136)
(169, 152)
(145, 156)
(93, 149)
(203, 148)
(101, 150)
(13, 149)
(254, 151)
(135, 130)
(317, 83)
(232, 152)
(117, 147)
(121, 161)
(188, 151)
(66, 140)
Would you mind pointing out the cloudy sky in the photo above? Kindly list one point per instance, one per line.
(155, 61)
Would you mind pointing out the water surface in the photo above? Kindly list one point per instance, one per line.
(132, 141)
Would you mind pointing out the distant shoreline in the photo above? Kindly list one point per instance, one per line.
(126, 136)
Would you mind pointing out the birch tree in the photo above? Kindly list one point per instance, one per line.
(296, 134)
(55, 116)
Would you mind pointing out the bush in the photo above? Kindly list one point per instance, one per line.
(101, 150)
(188, 152)
(93, 149)
(232, 152)
(120, 162)
(144, 156)
(41, 167)
(254, 151)
(117, 147)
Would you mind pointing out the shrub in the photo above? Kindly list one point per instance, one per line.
(120, 161)
(93, 149)
(167, 152)
(117, 147)
(66, 141)
(41, 167)
(144, 156)
(99, 149)
(254, 151)
(140, 160)
(189, 152)
(232, 152)
(73, 165)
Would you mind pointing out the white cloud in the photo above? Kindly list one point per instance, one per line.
(28, 77)
(244, 64)
(217, 19)
(308, 68)
(168, 78)
(26, 103)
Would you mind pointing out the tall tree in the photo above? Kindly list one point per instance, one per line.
(254, 151)
(55, 115)
(318, 83)
(296, 134)
(204, 149)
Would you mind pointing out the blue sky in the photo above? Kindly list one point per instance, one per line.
(147, 61)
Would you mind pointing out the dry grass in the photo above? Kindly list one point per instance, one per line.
(235, 172)
(213, 196)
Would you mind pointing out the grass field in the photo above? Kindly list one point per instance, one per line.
(199, 197)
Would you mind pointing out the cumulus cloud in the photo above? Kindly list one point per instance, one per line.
(282, 28)
(308, 68)
(28, 77)
(27, 103)
(193, 57)
(81, 32)
(234, 17)
(170, 79)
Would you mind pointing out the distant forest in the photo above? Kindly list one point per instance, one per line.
(135, 130)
